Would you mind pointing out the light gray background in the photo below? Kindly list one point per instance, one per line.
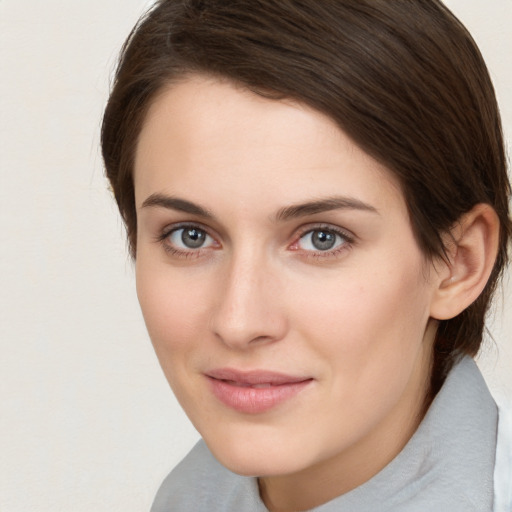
(87, 422)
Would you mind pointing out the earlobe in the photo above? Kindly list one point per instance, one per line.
(472, 251)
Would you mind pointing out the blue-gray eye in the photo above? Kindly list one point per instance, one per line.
(321, 240)
(190, 238)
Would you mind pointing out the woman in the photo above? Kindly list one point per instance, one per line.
(316, 199)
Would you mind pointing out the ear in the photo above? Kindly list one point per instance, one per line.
(472, 249)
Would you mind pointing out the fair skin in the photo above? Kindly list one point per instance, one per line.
(269, 242)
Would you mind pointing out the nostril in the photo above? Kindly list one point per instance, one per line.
(260, 339)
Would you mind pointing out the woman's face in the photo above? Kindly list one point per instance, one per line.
(280, 281)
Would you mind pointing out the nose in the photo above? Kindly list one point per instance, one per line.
(250, 310)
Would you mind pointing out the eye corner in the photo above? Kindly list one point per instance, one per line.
(294, 246)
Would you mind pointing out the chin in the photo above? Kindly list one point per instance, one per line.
(252, 458)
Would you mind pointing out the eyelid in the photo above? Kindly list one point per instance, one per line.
(167, 230)
(345, 233)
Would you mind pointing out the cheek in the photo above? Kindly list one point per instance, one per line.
(173, 309)
(366, 321)
(371, 336)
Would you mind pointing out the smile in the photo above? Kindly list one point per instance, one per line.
(254, 392)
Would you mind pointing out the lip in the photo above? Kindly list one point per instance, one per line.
(256, 391)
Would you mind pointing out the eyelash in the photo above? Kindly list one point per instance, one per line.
(348, 241)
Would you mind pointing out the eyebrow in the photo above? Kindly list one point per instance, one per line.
(175, 203)
(323, 205)
(284, 214)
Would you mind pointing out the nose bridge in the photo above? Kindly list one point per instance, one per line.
(247, 310)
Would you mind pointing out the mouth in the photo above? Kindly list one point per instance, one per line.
(256, 391)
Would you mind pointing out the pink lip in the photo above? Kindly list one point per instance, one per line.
(255, 391)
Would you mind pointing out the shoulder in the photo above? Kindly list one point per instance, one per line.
(199, 482)
(185, 482)
(503, 467)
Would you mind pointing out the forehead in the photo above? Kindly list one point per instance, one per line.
(211, 138)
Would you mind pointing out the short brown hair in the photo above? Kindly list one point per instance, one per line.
(404, 79)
